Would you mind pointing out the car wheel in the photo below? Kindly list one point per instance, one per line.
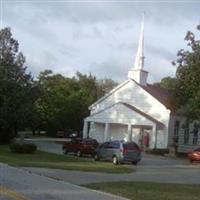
(115, 160)
(134, 162)
(96, 157)
(78, 153)
(65, 151)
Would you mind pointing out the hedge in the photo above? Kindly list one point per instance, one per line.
(23, 148)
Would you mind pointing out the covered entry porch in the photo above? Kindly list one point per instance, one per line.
(103, 132)
(122, 122)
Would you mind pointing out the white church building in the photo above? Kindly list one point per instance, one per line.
(135, 109)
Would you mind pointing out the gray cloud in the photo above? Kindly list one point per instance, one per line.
(99, 37)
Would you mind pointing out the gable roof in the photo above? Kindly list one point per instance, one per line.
(160, 124)
(161, 94)
(109, 93)
(143, 113)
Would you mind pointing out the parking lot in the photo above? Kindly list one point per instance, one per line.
(152, 168)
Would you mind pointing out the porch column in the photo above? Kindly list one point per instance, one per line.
(129, 132)
(85, 129)
(106, 132)
(154, 130)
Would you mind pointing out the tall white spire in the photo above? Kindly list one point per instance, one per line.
(137, 72)
(139, 58)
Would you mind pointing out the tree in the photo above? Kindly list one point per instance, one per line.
(188, 79)
(52, 102)
(63, 102)
(16, 87)
(106, 85)
(168, 83)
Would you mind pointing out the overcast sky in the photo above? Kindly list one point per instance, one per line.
(100, 37)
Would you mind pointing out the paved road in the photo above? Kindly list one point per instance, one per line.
(18, 184)
(161, 173)
(46, 145)
(152, 168)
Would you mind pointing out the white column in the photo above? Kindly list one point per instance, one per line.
(154, 130)
(129, 132)
(106, 132)
(85, 129)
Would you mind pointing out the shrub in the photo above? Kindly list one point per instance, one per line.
(6, 136)
(158, 151)
(23, 148)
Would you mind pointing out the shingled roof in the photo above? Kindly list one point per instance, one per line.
(161, 94)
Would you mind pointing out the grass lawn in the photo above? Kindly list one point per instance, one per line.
(149, 191)
(50, 160)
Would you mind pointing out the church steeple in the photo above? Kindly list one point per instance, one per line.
(137, 73)
(139, 58)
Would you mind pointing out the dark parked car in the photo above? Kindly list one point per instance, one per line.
(118, 152)
(80, 146)
(194, 155)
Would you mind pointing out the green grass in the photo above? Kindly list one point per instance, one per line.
(149, 191)
(50, 160)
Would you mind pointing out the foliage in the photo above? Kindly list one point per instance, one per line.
(185, 87)
(52, 102)
(23, 148)
(168, 83)
(63, 102)
(105, 86)
(188, 79)
(16, 88)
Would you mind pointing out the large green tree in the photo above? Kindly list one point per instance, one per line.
(16, 88)
(63, 102)
(168, 83)
(187, 91)
(52, 102)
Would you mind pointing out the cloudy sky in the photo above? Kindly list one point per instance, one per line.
(101, 36)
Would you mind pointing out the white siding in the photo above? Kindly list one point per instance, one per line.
(119, 113)
(118, 132)
(135, 95)
(97, 131)
(161, 139)
(182, 147)
(136, 135)
(131, 93)
(119, 116)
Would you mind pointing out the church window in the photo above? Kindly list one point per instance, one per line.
(186, 136)
(195, 135)
(176, 131)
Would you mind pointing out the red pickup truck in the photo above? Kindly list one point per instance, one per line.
(80, 146)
